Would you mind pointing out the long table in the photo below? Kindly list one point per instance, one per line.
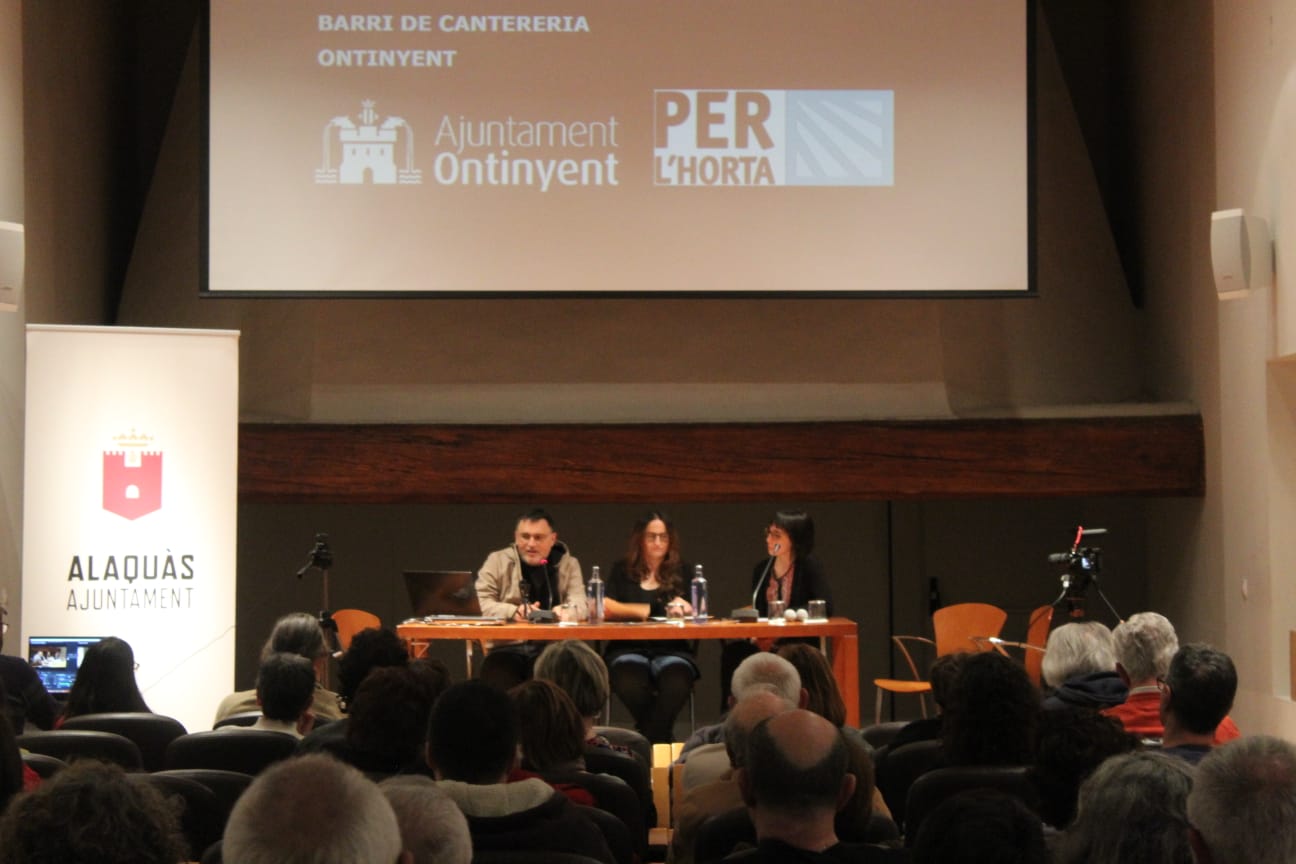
(841, 635)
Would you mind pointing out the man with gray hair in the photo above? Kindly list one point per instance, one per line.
(432, 828)
(312, 810)
(1080, 667)
(763, 670)
(1242, 807)
(1144, 644)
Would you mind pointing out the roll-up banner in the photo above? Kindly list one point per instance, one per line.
(130, 502)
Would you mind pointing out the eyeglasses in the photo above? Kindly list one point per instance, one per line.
(656, 537)
(1162, 684)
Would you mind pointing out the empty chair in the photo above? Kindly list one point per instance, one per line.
(227, 786)
(72, 744)
(150, 732)
(242, 718)
(201, 818)
(245, 750)
(600, 760)
(631, 739)
(956, 629)
(350, 622)
(897, 770)
(880, 734)
(45, 766)
(612, 795)
(931, 788)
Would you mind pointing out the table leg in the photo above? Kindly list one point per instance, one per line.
(845, 663)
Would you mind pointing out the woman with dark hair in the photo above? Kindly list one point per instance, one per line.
(105, 682)
(791, 573)
(653, 679)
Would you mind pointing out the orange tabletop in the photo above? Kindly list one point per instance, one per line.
(841, 635)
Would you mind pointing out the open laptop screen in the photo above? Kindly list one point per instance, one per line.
(56, 659)
(442, 592)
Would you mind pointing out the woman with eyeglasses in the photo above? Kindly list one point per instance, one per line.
(791, 574)
(105, 681)
(652, 679)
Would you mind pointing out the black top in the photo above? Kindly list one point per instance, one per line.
(809, 582)
(625, 588)
(26, 696)
(778, 852)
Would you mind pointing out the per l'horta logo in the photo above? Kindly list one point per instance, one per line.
(132, 476)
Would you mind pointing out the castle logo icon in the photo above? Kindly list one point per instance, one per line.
(366, 150)
(132, 477)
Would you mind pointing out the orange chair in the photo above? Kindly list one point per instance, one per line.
(350, 622)
(956, 628)
(1037, 630)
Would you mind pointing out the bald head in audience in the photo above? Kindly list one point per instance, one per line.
(794, 778)
(312, 810)
(1242, 807)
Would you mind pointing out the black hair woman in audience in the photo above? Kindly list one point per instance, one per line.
(790, 573)
(105, 682)
(653, 679)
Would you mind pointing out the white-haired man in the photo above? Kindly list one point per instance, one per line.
(1144, 644)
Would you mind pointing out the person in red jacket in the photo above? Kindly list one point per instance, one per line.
(1145, 644)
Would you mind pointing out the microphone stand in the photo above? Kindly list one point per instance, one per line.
(321, 559)
(751, 613)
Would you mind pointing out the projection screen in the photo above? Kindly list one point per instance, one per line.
(619, 147)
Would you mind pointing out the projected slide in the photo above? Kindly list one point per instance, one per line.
(607, 147)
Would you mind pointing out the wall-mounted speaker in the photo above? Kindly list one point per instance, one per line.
(1241, 253)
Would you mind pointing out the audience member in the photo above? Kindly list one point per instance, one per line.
(105, 682)
(536, 573)
(13, 773)
(981, 827)
(91, 812)
(27, 700)
(285, 691)
(580, 672)
(295, 633)
(1072, 743)
(1195, 697)
(1242, 807)
(312, 810)
(654, 679)
(723, 794)
(794, 779)
(992, 716)
(552, 738)
(1080, 667)
(1132, 810)
(432, 828)
(824, 698)
(1144, 644)
(762, 670)
(371, 648)
(472, 746)
(943, 673)
(387, 727)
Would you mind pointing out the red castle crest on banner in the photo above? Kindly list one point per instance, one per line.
(132, 477)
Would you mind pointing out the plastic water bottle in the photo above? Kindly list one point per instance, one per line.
(594, 592)
(699, 589)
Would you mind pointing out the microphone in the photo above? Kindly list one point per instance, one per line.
(1059, 557)
(545, 616)
(750, 613)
